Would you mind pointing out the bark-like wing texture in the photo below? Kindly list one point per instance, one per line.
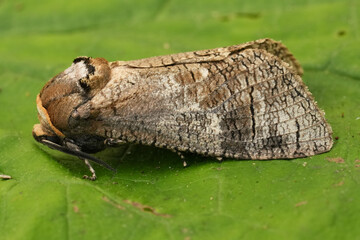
(245, 101)
(267, 111)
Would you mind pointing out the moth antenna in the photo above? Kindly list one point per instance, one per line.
(76, 153)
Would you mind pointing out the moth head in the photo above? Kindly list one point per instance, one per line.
(65, 92)
(47, 134)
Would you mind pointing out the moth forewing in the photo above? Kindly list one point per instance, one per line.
(245, 101)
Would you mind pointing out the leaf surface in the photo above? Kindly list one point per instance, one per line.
(152, 196)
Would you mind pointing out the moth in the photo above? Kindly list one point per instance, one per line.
(245, 101)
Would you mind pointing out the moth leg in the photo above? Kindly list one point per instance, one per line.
(73, 146)
(180, 155)
(111, 142)
(91, 169)
(185, 164)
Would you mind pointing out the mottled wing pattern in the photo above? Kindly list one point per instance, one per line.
(267, 111)
(246, 101)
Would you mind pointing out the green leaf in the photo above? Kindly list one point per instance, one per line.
(152, 196)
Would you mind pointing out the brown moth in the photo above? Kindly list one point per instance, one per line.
(245, 101)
